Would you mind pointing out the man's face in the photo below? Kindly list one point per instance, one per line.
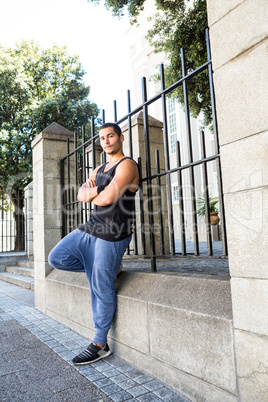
(110, 141)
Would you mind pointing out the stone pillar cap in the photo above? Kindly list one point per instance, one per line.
(53, 131)
(55, 128)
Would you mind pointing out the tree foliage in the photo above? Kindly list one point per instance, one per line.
(177, 24)
(179, 27)
(119, 7)
(37, 86)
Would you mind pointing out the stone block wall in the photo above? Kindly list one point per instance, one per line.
(239, 44)
(160, 328)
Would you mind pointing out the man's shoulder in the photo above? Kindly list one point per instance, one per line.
(127, 163)
(128, 168)
(127, 160)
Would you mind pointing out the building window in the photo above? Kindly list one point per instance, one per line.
(175, 194)
(171, 105)
(172, 125)
(172, 141)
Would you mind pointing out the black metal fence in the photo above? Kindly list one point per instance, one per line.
(174, 236)
(12, 222)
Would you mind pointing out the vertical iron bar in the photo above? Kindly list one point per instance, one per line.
(115, 111)
(63, 226)
(190, 154)
(93, 143)
(75, 161)
(19, 220)
(66, 209)
(135, 233)
(69, 184)
(8, 222)
(181, 202)
(81, 179)
(14, 229)
(217, 148)
(80, 170)
(2, 221)
(84, 167)
(148, 173)
(131, 155)
(73, 207)
(206, 193)
(23, 221)
(143, 243)
(11, 231)
(159, 202)
(25, 225)
(84, 153)
(129, 125)
(103, 155)
(8, 237)
(87, 166)
(93, 152)
(87, 204)
(167, 165)
(76, 173)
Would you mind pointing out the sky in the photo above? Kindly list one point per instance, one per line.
(89, 31)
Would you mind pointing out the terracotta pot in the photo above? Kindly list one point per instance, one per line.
(214, 218)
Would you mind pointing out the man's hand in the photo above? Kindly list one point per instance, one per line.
(88, 191)
(90, 183)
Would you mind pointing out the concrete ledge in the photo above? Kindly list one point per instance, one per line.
(177, 328)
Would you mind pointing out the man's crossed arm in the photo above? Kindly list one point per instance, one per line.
(126, 178)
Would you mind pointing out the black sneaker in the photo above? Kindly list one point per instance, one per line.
(91, 354)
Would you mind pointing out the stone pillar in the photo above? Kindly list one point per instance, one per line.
(239, 44)
(28, 196)
(156, 142)
(49, 147)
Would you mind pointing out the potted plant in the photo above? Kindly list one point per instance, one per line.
(214, 212)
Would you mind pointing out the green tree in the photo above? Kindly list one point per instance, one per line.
(37, 86)
(176, 27)
(119, 7)
(177, 24)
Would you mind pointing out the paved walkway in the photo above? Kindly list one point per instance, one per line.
(35, 361)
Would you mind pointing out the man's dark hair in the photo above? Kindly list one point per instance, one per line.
(116, 128)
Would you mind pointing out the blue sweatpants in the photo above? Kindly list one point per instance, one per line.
(100, 260)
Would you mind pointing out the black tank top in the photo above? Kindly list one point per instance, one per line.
(112, 222)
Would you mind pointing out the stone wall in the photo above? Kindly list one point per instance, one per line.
(159, 327)
(239, 44)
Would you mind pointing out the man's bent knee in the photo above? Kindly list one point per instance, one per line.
(54, 260)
